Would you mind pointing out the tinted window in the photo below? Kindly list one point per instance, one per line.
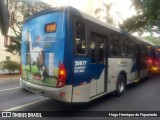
(80, 37)
(97, 48)
(93, 50)
(128, 47)
(144, 51)
(101, 51)
(115, 44)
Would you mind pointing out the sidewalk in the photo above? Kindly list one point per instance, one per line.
(11, 76)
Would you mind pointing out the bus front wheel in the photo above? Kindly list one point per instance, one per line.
(120, 86)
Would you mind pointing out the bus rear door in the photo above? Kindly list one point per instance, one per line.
(97, 65)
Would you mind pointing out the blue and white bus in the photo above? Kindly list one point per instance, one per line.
(70, 56)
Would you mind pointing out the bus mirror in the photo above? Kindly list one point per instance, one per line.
(4, 18)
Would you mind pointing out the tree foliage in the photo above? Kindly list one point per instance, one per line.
(20, 10)
(152, 39)
(9, 65)
(147, 18)
(108, 9)
(15, 47)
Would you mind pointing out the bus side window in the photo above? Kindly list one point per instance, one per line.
(80, 37)
(128, 47)
(97, 48)
(115, 44)
(93, 51)
(101, 52)
(132, 48)
(124, 47)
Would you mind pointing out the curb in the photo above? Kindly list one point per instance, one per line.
(10, 78)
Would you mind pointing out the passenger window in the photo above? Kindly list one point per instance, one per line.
(101, 52)
(115, 44)
(128, 47)
(124, 46)
(132, 48)
(93, 51)
(97, 48)
(80, 37)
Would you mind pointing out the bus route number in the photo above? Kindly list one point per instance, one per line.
(50, 27)
(80, 66)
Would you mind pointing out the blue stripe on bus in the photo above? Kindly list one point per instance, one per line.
(91, 71)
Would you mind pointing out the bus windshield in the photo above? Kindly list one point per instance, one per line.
(43, 40)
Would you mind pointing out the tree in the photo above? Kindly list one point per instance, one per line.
(9, 65)
(152, 39)
(108, 16)
(20, 10)
(147, 18)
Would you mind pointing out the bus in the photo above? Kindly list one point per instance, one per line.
(72, 57)
(154, 60)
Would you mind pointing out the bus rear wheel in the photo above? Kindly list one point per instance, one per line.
(120, 86)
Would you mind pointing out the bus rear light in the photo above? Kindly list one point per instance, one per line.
(149, 61)
(61, 81)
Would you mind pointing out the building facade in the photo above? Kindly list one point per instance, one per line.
(4, 55)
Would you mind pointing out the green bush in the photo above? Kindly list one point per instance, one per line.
(9, 65)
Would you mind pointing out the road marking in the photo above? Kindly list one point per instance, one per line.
(10, 89)
(25, 105)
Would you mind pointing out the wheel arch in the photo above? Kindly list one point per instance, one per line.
(125, 75)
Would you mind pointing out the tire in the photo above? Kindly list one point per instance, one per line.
(120, 86)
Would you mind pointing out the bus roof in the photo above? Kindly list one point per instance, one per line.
(144, 41)
(107, 25)
(89, 18)
(82, 14)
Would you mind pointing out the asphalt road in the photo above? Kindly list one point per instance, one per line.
(142, 96)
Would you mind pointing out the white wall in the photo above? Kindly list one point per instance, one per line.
(4, 54)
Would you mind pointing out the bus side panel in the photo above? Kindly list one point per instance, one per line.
(89, 78)
(116, 66)
(113, 74)
(81, 79)
(85, 74)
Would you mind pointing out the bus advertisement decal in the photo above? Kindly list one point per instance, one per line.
(43, 49)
